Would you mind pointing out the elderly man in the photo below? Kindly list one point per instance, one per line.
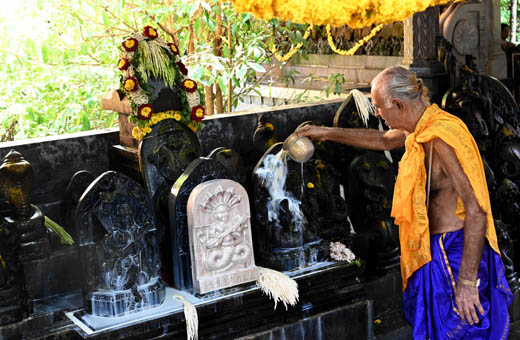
(453, 277)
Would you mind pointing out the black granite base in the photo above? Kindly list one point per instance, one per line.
(331, 292)
(351, 319)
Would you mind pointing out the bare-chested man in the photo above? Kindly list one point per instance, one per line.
(453, 278)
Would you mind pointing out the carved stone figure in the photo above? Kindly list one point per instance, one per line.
(291, 204)
(118, 247)
(220, 236)
(22, 237)
(199, 171)
(371, 184)
(163, 155)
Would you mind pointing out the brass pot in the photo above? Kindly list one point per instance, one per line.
(299, 148)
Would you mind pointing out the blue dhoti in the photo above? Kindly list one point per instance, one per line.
(429, 299)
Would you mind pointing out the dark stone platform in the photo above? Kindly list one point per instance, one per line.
(330, 294)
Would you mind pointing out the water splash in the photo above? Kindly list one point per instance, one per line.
(273, 175)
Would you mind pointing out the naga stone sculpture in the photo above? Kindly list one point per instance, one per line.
(370, 193)
(288, 210)
(220, 236)
(23, 239)
(199, 171)
(163, 155)
(118, 247)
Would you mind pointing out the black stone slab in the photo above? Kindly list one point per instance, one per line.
(56, 159)
(235, 130)
(351, 319)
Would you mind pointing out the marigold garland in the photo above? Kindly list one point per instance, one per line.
(356, 14)
(354, 48)
(145, 54)
(294, 49)
(140, 132)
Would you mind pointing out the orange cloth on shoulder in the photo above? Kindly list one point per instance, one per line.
(409, 203)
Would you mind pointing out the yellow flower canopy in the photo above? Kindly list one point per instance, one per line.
(354, 13)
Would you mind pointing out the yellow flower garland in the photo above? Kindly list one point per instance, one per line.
(354, 48)
(139, 133)
(356, 14)
(293, 50)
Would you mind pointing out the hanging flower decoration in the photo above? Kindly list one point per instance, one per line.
(144, 55)
(123, 64)
(197, 113)
(356, 14)
(173, 48)
(189, 85)
(182, 68)
(145, 111)
(150, 32)
(130, 84)
(130, 44)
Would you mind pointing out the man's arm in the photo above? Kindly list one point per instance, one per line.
(474, 232)
(361, 138)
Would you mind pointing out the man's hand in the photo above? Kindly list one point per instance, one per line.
(468, 303)
(314, 132)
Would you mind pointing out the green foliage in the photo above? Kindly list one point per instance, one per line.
(60, 56)
(336, 80)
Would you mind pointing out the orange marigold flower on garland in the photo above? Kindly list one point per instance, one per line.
(130, 44)
(197, 113)
(145, 111)
(150, 32)
(123, 64)
(189, 85)
(130, 84)
(173, 48)
(182, 68)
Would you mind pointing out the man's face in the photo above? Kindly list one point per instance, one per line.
(385, 108)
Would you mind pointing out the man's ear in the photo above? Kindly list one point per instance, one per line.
(399, 104)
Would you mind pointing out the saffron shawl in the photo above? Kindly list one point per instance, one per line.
(409, 202)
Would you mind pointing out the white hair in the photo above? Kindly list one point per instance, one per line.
(398, 82)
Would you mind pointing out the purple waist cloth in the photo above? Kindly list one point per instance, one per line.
(429, 299)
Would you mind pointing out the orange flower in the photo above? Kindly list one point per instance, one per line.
(150, 32)
(145, 111)
(197, 113)
(189, 85)
(173, 48)
(123, 64)
(130, 44)
(130, 84)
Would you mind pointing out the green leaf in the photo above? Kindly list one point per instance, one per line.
(106, 20)
(84, 49)
(225, 51)
(45, 52)
(222, 84)
(85, 122)
(256, 67)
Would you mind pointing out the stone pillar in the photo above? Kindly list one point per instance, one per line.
(420, 51)
(497, 63)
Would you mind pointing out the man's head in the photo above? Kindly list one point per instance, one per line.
(395, 92)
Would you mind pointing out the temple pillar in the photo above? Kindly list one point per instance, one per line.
(497, 64)
(420, 51)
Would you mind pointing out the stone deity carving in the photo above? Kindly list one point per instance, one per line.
(220, 235)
